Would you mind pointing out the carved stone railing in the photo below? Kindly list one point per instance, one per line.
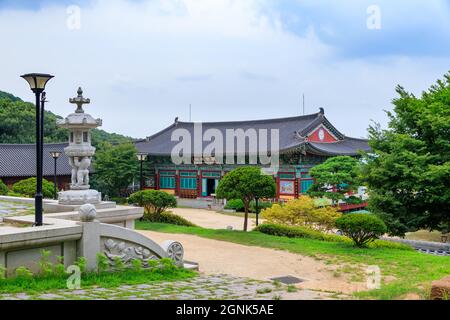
(116, 242)
(72, 237)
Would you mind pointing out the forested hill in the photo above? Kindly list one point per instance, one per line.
(17, 124)
(6, 95)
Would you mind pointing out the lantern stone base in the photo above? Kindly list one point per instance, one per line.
(79, 197)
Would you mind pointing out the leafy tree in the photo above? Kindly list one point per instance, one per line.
(114, 167)
(334, 178)
(361, 228)
(408, 168)
(3, 189)
(246, 183)
(154, 201)
(27, 188)
(302, 212)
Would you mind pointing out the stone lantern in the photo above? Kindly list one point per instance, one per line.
(80, 153)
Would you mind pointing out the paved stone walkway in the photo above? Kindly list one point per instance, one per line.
(10, 208)
(203, 287)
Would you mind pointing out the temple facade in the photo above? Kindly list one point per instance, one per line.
(303, 142)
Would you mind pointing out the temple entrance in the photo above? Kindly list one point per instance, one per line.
(210, 187)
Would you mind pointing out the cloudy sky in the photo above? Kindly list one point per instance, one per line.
(142, 62)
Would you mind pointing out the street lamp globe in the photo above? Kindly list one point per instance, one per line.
(55, 154)
(142, 156)
(37, 81)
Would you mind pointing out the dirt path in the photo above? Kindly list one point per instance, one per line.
(220, 257)
(213, 220)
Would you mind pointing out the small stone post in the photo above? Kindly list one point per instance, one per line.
(90, 241)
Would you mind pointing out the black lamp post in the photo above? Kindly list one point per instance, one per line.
(141, 157)
(55, 155)
(257, 209)
(37, 82)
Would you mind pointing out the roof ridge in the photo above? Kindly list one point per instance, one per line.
(359, 139)
(32, 144)
(312, 115)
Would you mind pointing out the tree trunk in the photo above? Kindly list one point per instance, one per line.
(246, 205)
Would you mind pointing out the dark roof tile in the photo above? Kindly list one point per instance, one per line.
(19, 160)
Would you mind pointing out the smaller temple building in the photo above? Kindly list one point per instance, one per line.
(303, 142)
(18, 162)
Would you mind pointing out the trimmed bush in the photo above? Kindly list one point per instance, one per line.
(27, 188)
(361, 228)
(235, 204)
(3, 189)
(298, 232)
(306, 233)
(169, 218)
(261, 204)
(154, 201)
(119, 200)
(302, 212)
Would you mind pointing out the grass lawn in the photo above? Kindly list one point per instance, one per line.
(408, 270)
(37, 284)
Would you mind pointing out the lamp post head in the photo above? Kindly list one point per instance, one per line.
(142, 156)
(55, 154)
(37, 81)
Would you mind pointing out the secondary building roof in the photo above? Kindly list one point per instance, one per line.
(19, 160)
(295, 133)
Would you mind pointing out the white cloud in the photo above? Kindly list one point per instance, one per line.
(142, 63)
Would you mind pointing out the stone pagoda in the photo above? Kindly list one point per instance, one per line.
(79, 152)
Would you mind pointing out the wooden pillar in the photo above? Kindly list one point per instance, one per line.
(157, 180)
(199, 184)
(278, 186)
(177, 182)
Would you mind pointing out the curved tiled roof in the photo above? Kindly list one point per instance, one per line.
(348, 146)
(291, 131)
(19, 160)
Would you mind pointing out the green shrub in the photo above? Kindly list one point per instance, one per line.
(119, 200)
(353, 200)
(3, 189)
(169, 218)
(235, 204)
(17, 195)
(303, 232)
(361, 228)
(302, 212)
(60, 269)
(45, 265)
(27, 188)
(82, 264)
(298, 232)
(23, 273)
(261, 204)
(102, 262)
(2, 272)
(154, 201)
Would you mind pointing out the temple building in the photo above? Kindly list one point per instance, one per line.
(18, 162)
(303, 142)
